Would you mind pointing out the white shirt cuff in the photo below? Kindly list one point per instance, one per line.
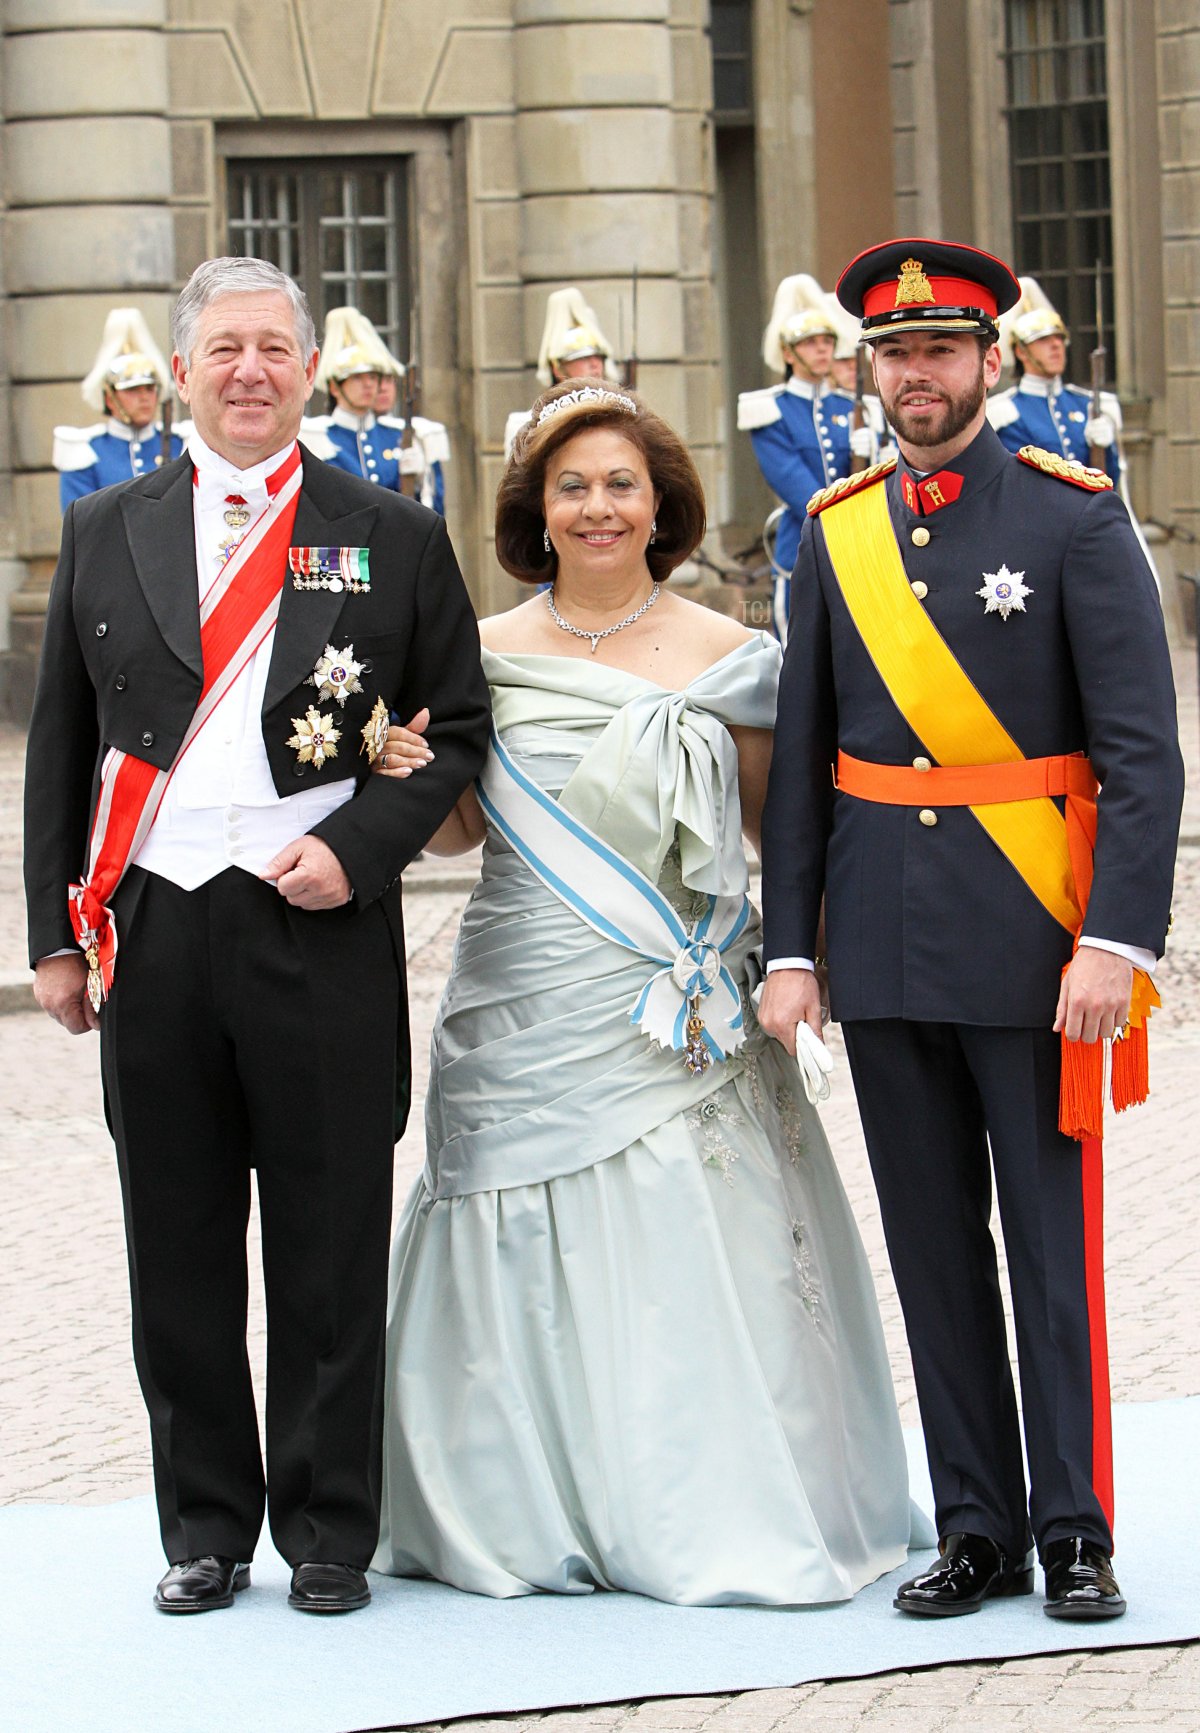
(791, 963)
(71, 951)
(1141, 959)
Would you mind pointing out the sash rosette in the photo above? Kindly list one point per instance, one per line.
(619, 902)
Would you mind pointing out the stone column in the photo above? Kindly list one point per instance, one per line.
(615, 95)
(1179, 135)
(87, 227)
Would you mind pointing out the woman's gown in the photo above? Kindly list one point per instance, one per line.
(632, 1339)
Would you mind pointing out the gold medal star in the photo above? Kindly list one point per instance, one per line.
(374, 735)
(315, 738)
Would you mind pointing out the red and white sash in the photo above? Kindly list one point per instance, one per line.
(236, 614)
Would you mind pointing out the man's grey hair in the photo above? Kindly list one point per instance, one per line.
(229, 276)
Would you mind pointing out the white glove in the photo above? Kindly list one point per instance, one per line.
(412, 460)
(815, 1062)
(1100, 431)
(861, 442)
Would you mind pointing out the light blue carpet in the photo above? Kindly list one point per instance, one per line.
(75, 1656)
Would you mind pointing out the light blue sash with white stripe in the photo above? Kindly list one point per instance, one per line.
(690, 1002)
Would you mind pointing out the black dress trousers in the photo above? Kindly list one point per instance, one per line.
(242, 1033)
(933, 1097)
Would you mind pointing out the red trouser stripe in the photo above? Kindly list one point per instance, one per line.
(1093, 1263)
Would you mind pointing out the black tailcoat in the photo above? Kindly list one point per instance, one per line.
(241, 1033)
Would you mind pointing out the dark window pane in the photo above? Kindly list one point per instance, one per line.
(333, 195)
(373, 249)
(1053, 197)
(373, 299)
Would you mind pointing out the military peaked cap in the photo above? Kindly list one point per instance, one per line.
(922, 285)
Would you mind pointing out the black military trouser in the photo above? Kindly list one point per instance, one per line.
(932, 1097)
(242, 1033)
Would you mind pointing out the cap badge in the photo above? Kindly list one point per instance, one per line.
(336, 674)
(315, 738)
(914, 287)
(1004, 591)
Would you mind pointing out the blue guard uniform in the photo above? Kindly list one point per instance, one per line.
(800, 430)
(114, 448)
(88, 458)
(1052, 415)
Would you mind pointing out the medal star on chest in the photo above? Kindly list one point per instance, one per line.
(1004, 592)
(336, 674)
(315, 738)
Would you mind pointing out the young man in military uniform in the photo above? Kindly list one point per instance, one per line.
(355, 436)
(801, 428)
(128, 380)
(976, 644)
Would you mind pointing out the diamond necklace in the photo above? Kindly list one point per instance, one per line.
(578, 632)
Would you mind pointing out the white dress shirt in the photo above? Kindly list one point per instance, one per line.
(220, 808)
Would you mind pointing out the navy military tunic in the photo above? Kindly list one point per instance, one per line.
(945, 969)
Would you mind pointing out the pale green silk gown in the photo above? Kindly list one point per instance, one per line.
(632, 1341)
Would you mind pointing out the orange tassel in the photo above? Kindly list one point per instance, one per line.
(1130, 1070)
(1081, 1091)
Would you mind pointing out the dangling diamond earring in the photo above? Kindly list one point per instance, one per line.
(653, 531)
(546, 540)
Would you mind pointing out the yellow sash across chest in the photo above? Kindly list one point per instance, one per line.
(937, 699)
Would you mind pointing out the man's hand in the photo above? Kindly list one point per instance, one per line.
(1094, 999)
(60, 988)
(309, 875)
(790, 996)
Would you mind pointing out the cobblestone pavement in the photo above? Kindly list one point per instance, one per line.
(74, 1428)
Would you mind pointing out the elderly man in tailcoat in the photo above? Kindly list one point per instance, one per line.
(975, 643)
(212, 879)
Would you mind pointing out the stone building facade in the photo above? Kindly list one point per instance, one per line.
(487, 151)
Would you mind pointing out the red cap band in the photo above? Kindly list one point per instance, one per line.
(947, 292)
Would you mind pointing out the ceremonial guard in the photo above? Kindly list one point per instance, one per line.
(1042, 408)
(355, 435)
(573, 347)
(871, 439)
(211, 875)
(800, 429)
(128, 381)
(977, 772)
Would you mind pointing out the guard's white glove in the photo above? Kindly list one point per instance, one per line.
(412, 460)
(815, 1062)
(1100, 431)
(861, 442)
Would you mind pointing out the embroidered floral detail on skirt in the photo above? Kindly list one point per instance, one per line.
(707, 1118)
(792, 1121)
(810, 1291)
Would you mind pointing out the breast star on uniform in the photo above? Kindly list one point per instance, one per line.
(315, 738)
(1004, 591)
(375, 733)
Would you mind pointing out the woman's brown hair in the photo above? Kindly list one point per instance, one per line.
(520, 516)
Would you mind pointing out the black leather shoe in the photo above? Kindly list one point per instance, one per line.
(321, 1588)
(201, 1585)
(1079, 1581)
(972, 1569)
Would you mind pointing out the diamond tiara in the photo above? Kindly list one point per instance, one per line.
(588, 395)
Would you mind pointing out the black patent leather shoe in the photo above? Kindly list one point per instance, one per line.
(1079, 1581)
(201, 1585)
(321, 1588)
(971, 1570)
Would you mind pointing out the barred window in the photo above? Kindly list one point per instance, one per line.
(732, 62)
(340, 227)
(1059, 157)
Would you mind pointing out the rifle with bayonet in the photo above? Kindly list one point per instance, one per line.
(168, 410)
(411, 484)
(859, 417)
(1097, 456)
(631, 364)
